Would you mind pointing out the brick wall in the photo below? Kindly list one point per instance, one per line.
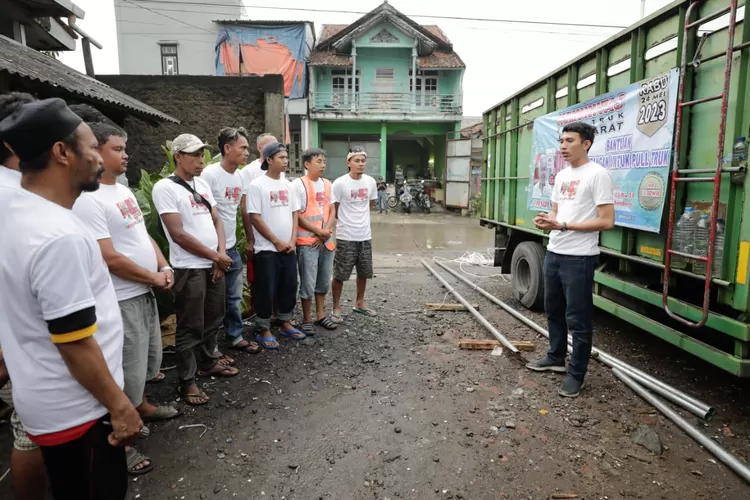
(203, 104)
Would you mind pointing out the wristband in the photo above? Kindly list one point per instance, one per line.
(166, 268)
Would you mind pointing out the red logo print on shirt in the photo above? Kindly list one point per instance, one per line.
(320, 198)
(130, 210)
(361, 194)
(569, 190)
(232, 193)
(198, 207)
(279, 198)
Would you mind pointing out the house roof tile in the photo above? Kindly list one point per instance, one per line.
(26, 62)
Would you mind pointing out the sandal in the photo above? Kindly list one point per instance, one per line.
(366, 311)
(336, 319)
(326, 323)
(219, 370)
(225, 360)
(308, 329)
(158, 378)
(134, 459)
(193, 398)
(161, 413)
(269, 343)
(293, 334)
(247, 346)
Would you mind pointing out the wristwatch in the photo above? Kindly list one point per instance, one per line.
(564, 227)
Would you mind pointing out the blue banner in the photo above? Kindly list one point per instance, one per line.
(635, 131)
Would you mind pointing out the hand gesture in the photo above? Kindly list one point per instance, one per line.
(216, 273)
(223, 261)
(282, 246)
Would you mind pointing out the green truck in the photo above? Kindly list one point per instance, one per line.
(669, 98)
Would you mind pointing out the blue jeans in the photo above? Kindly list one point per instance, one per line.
(315, 270)
(233, 316)
(569, 302)
(382, 201)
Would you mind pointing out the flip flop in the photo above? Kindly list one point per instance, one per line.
(188, 395)
(264, 342)
(158, 378)
(162, 413)
(336, 319)
(225, 360)
(366, 311)
(134, 458)
(308, 329)
(219, 370)
(293, 334)
(249, 347)
(326, 323)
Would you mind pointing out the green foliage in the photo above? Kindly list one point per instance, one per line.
(475, 205)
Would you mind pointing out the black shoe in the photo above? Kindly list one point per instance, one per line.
(571, 387)
(546, 365)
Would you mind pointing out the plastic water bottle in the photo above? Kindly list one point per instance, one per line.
(701, 243)
(682, 234)
(719, 249)
(739, 153)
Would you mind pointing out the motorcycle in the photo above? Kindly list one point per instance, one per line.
(421, 198)
(406, 199)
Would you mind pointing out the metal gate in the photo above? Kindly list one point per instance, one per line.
(457, 170)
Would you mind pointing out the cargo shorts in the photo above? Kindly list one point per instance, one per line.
(351, 254)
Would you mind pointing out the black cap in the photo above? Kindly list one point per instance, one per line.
(270, 150)
(35, 127)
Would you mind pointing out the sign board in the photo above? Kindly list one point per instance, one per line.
(635, 131)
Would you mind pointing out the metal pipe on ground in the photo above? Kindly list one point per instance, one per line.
(694, 406)
(482, 320)
(726, 458)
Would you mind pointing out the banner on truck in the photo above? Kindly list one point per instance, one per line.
(633, 142)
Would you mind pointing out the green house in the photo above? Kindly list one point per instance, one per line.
(390, 85)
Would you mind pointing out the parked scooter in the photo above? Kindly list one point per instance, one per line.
(406, 198)
(421, 198)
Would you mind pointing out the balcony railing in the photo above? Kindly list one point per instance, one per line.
(387, 102)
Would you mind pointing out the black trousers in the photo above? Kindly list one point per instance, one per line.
(88, 468)
(275, 277)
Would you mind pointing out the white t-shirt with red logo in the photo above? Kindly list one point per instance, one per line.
(301, 193)
(227, 190)
(275, 202)
(112, 212)
(577, 192)
(171, 198)
(354, 197)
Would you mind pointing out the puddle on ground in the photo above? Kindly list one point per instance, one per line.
(431, 232)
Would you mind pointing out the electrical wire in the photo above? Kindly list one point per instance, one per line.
(429, 16)
(476, 259)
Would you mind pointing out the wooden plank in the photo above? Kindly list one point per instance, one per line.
(448, 307)
(488, 344)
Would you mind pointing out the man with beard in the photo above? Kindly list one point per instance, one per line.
(26, 464)
(197, 251)
(64, 343)
(136, 264)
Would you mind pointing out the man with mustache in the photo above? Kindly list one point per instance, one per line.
(64, 339)
(197, 252)
(582, 205)
(136, 264)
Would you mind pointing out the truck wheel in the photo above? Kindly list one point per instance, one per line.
(527, 274)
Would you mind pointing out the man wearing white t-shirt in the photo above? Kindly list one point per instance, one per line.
(197, 252)
(353, 195)
(274, 212)
(136, 264)
(63, 345)
(227, 187)
(582, 205)
(26, 463)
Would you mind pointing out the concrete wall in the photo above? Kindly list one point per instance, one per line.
(140, 31)
(203, 104)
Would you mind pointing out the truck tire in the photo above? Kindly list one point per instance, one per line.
(527, 274)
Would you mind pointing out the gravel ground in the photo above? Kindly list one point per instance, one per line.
(389, 407)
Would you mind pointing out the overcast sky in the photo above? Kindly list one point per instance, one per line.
(500, 58)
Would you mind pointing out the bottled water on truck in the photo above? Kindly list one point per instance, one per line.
(683, 235)
(701, 243)
(739, 153)
(719, 249)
